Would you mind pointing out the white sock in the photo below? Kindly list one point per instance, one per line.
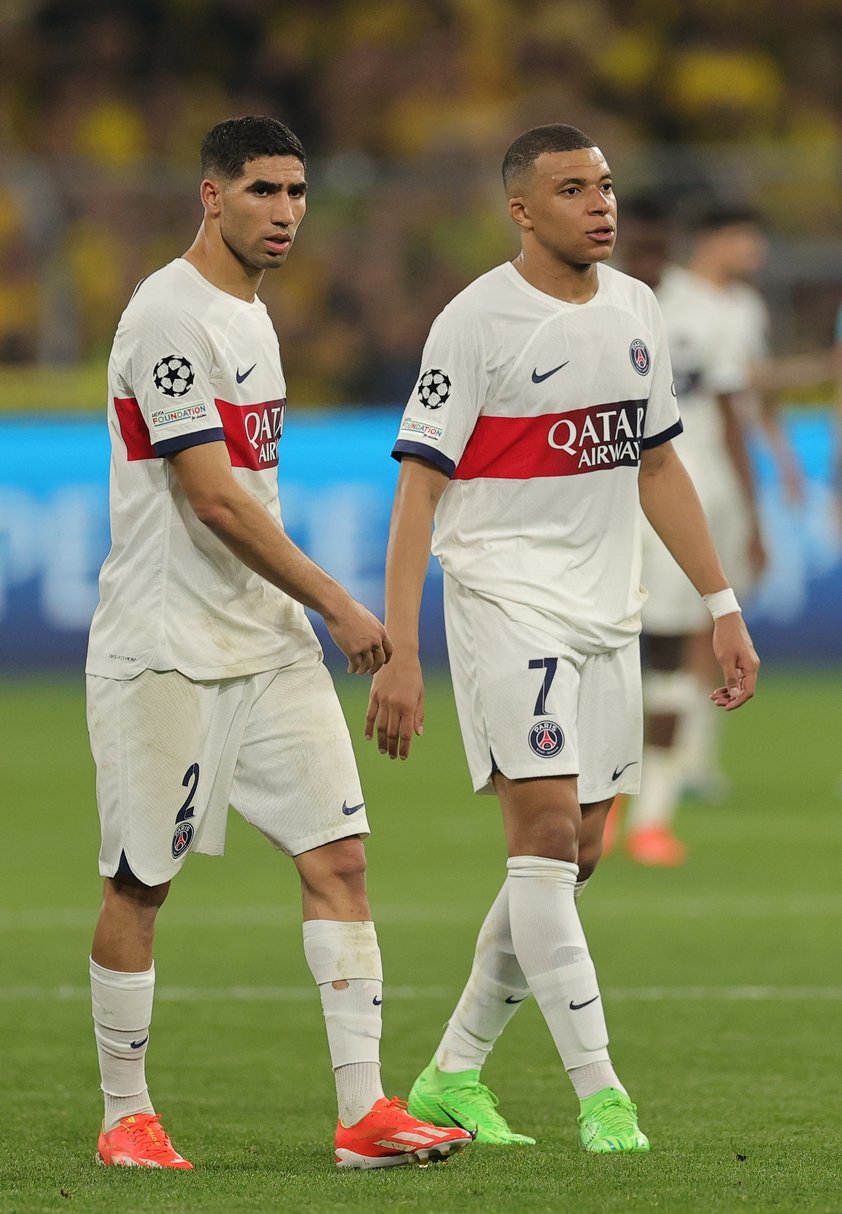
(553, 954)
(660, 789)
(347, 953)
(122, 1010)
(494, 991)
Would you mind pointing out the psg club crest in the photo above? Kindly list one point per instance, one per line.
(433, 389)
(173, 375)
(639, 356)
(182, 838)
(546, 739)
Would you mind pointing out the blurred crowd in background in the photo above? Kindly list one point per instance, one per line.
(405, 108)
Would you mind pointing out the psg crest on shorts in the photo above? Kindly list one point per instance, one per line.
(546, 739)
(639, 356)
(182, 838)
(433, 389)
(173, 375)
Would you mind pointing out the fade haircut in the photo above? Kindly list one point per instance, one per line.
(526, 149)
(233, 143)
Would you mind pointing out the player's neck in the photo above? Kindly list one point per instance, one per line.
(569, 283)
(215, 262)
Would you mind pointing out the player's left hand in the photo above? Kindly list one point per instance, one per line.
(736, 655)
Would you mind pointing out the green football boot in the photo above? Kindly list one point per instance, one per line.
(608, 1122)
(459, 1099)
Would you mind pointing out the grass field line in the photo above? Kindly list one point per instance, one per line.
(408, 994)
(748, 906)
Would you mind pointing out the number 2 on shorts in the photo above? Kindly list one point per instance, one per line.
(549, 667)
(191, 777)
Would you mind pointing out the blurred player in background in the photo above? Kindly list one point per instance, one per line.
(206, 683)
(540, 422)
(717, 328)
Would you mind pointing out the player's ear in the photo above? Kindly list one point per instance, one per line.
(210, 193)
(519, 212)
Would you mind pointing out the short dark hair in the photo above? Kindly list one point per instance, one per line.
(714, 216)
(227, 148)
(556, 137)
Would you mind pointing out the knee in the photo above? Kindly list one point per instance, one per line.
(548, 833)
(339, 864)
(131, 896)
(590, 853)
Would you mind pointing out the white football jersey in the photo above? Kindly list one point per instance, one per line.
(537, 410)
(190, 364)
(709, 357)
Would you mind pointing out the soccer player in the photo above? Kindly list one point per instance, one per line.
(717, 327)
(206, 683)
(542, 418)
(714, 325)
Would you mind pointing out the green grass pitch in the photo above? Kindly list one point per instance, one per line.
(722, 985)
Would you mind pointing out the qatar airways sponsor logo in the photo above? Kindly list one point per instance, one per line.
(168, 417)
(602, 436)
(253, 432)
(433, 433)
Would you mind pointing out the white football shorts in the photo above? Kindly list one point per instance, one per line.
(172, 754)
(674, 606)
(529, 705)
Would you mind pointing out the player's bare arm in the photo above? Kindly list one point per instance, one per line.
(396, 701)
(672, 506)
(237, 518)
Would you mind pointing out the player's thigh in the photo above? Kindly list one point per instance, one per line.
(164, 748)
(516, 690)
(296, 778)
(610, 724)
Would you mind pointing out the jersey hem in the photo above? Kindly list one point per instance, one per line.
(207, 674)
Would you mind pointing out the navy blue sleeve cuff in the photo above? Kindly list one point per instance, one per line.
(655, 440)
(437, 458)
(169, 446)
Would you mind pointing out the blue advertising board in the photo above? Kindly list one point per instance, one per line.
(337, 482)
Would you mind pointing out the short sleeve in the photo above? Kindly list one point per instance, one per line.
(662, 418)
(170, 372)
(448, 395)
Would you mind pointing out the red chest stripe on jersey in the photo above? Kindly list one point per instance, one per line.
(133, 428)
(252, 432)
(555, 444)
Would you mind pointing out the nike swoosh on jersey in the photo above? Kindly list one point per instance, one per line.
(539, 379)
(351, 809)
(617, 772)
(245, 374)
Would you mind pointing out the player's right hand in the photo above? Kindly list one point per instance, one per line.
(361, 637)
(736, 655)
(396, 706)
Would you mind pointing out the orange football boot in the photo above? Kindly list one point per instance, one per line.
(139, 1141)
(388, 1136)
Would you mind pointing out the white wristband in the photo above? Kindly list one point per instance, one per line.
(723, 602)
